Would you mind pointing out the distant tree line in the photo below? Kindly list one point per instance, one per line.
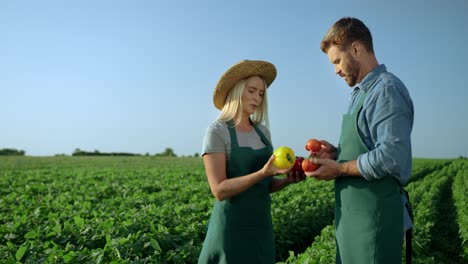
(12, 152)
(168, 152)
(79, 152)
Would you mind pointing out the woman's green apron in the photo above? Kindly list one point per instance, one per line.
(368, 214)
(240, 228)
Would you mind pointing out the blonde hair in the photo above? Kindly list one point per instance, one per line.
(233, 106)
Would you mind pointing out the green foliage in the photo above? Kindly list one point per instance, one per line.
(423, 167)
(11, 152)
(102, 209)
(322, 251)
(441, 220)
(460, 194)
(146, 209)
(436, 228)
(300, 212)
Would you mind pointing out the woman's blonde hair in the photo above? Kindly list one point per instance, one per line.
(233, 106)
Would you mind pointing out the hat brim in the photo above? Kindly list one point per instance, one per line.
(239, 71)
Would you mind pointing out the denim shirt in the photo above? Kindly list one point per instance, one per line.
(384, 124)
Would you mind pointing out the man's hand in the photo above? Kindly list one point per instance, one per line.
(327, 151)
(328, 170)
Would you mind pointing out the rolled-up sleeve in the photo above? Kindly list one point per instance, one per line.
(390, 118)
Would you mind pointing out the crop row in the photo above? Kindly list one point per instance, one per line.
(155, 210)
(436, 222)
(142, 210)
(103, 213)
(460, 194)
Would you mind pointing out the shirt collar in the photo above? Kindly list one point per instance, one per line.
(370, 78)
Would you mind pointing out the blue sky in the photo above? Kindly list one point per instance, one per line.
(138, 76)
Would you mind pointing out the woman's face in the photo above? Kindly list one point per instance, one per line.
(252, 96)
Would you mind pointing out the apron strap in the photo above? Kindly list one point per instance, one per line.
(408, 204)
(409, 246)
(232, 133)
(409, 232)
(262, 136)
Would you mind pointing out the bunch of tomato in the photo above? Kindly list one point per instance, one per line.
(285, 158)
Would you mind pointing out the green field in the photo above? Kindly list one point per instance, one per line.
(155, 210)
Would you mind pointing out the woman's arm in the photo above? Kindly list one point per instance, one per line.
(222, 187)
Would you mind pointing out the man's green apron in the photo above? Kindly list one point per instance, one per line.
(240, 228)
(368, 214)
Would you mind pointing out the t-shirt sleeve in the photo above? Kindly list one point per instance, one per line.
(212, 141)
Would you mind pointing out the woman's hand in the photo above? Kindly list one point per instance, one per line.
(295, 177)
(271, 170)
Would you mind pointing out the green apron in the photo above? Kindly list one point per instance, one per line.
(368, 214)
(240, 229)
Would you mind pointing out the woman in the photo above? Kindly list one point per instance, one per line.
(237, 154)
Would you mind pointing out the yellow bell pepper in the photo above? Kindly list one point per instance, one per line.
(284, 157)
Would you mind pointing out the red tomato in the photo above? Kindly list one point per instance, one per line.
(298, 164)
(309, 166)
(313, 145)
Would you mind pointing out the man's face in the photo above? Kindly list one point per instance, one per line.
(346, 66)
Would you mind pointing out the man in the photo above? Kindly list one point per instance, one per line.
(373, 159)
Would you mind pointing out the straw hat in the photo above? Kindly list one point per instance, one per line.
(239, 71)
